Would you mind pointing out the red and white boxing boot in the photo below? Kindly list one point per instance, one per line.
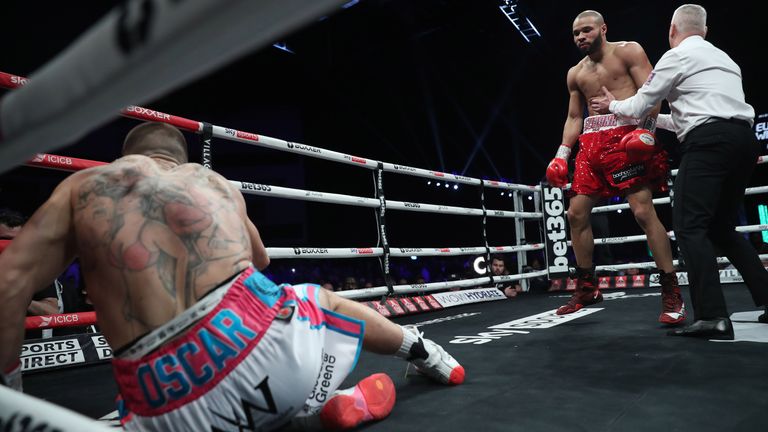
(672, 305)
(370, 400)
(586, 292)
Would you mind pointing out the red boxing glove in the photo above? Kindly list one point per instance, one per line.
(557, 170)
(639, 145)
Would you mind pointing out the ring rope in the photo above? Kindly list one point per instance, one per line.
(651, 264)
(74, 164)
(250, 138)
(437, 286)
(66, 163)
(75, 319)
(289, 252)
(12, 81)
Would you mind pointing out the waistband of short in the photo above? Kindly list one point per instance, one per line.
(598, 123)
(152, 340)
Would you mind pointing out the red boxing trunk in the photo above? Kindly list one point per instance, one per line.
(602, 166)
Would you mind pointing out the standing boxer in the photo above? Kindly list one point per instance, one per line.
(615, 159)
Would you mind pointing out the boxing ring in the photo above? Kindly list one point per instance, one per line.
(605, 367)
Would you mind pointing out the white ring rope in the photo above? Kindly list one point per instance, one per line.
(617, 267)
(437, 286)
(327, 197)
(322, 153)
(308, 252)
(666, 200)
(317, 152)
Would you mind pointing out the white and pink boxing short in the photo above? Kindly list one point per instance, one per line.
(250, 355)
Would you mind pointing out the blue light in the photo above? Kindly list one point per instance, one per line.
(762, 210)
(282, 46)
(522, 23)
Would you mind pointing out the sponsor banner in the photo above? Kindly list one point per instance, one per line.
(456, 298)
(608, 282)
(404, 305)
(642, 280)
(421, 303)
(408, 305)
(522, 326)
(434, 304)
(547, 319)
(103, 349)
(311, 251)
(304, 148)
(638, 281)
(395, 306)
(51, 353)
(64, 351)
(555, 237)
(255, 187)
(730, 275)
(570, 284)
(54, 346)
(378, 307)
(52, 360)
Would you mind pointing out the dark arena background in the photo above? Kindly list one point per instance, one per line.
(470, 88)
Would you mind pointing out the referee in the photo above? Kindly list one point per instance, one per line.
(719, 152)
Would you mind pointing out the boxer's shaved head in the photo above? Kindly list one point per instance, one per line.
(591, 14)
(156, 138)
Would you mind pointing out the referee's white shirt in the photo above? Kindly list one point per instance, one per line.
(700, 82)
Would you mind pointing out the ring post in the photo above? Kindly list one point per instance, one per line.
(381, 221)
(206, 136)
(555, 233)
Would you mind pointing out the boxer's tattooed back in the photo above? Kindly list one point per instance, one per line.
(160, 239)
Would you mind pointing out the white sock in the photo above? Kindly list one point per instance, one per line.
(409, 338)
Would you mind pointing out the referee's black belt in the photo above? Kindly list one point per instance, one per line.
(731, 120)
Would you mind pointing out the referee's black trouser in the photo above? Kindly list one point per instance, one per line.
(718, 160)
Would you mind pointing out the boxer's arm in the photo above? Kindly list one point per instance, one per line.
(664, 77)
(260, 256)
(574, 121)
(41, 251)
(259, 252)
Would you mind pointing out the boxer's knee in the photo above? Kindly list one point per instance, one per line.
(578, 218)
(645, 215)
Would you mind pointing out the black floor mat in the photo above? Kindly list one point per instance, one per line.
(611, 370)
